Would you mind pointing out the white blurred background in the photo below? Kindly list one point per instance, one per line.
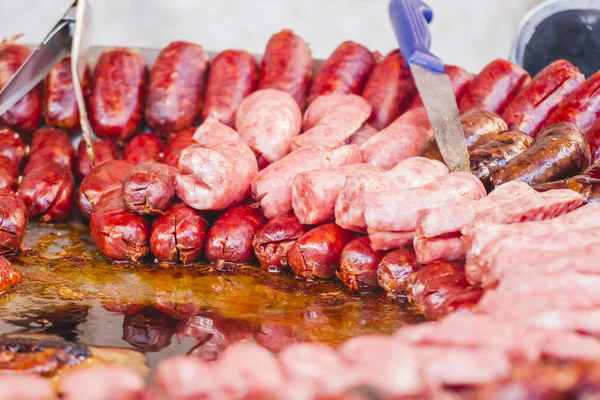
(468, 33)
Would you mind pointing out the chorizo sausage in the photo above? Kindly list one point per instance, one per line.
(102, 179)
(176, 145)
(50, 145)
(9, 174)
(26, 114)
(13, 221)
(118, 233)
(460, 80)
(346, 71)
(395, 269)
(593, 139)
(229, 240)
(149, 188)
(233, 76)
(11, 146)
(316, 254)
(104, 151)
(273, 241)
(60, 107)
(48, 192)
(358, 263)
(458, 301)
(559, 151)
(530, 109)
(287, 65)
(9, 276)
(494, 87)
(144, 148)
(178, 235)
(117, 94)
(389, 90)
(176, 87)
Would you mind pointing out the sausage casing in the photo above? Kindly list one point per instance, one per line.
(48, 192)
(358, 263)
(144, 148)
(11, 146)
(50, 145)
(149, 188)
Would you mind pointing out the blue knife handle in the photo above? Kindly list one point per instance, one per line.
(410, 19)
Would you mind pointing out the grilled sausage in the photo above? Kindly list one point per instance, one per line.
(117, 94)
(149, 188)
(60, 106)
(9, 174)
(9, 277)
(273, 241)
(26, 114)
(233, 76)
(176, 87)
(104, 151)
(495, 87)
(102, 179)
(144, 148)
(394, 270)
(118, 233)
(12, 153)
(586, 184)
(460, 80)
(559, 151)
(316, 254)
(346, 71)
(530, 109)
(176, 145)
(50, 145)
(229, 240)
(13, 221)
(358, 263)
(178, 235)
(287, 65)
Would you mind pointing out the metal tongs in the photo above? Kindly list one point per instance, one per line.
(70, 35)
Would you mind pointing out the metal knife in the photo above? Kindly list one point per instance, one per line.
(410, 19)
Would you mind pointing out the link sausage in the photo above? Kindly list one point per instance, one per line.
(9, 277)
(395, 269)
(13, 221)
(176, 145)
(144, 148)
(12, 153)
(104, 151)
(358, 263)
(149, 188)
(460, 80)
(50, 145)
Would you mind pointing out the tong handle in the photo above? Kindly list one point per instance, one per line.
(410, 19)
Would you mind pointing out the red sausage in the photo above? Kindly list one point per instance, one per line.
(581, 107)
(60, 107)
(12, 153)
(176, 87)
(316, 254)
(9, 174)
(395, 268)
(26, 114)
(233, 76)
(532, 106)
(495, 87)
(178, 235)
(9, 277)
(149, 188)
(50, 145)
(102, 179)
(593, 138)
(389, 90)
(176, 145)
(358, 263)
(118, 233)
(144, 148)
(13, 221)
(346, 71)
(287, 65)
(273, 241)
(462, 300)
(460, 80)
(117, 94)
(104, 151)
(229, 240)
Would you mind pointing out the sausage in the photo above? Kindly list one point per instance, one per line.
(48, 192)
(287, 65)
(13, 221)
(176, 87)
(117, 232)
(559, 151)
(273, 241)
(460, 80)
(498, 150)
(581, 107)
(60, 107)
(358, 263)
(495, 87)
(233, 76)
(102, 179)
(459, 301)
(176, 145)
(389, 90)
(346, 71)
(104, 151)
(268, 120)
(9, 277)
(117, 94)
(9, 174)
(586, 184)
(593, 139)
(149, 188)
(395, 269)
(316, 254)
(11, 146)
(26, 114)
(530, 109)
(178, 235)
(50, 145)
(144, 148)
(229, 240)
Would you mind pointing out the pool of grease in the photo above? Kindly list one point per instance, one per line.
(69, 289)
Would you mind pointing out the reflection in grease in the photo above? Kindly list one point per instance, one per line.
(149, 330)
